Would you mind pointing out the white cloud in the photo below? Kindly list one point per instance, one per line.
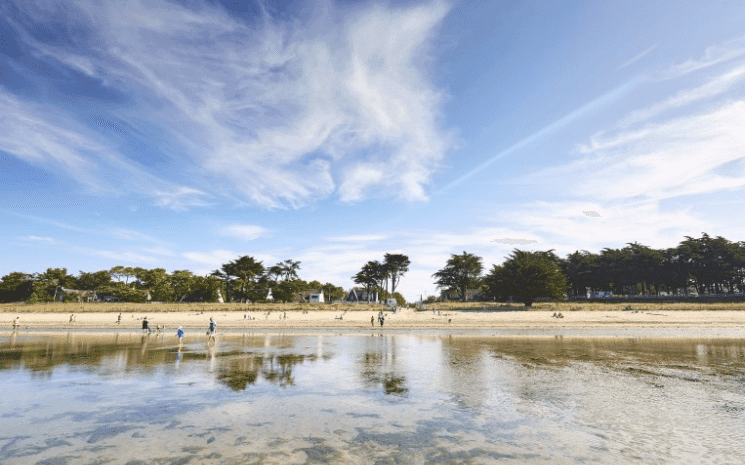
(515, 241)
(213, 258)
(709, 89)
(39, 239)
(179, 198)
(244, 232)
(562, 224)
(665, 160)
(297, 108)
(130, 235)
(714, 55)
(164, 251)
(357, 238)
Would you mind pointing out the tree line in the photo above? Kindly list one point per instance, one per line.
(707, 265)
(242, 280)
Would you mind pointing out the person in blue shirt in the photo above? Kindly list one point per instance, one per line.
(180, 334)
(211, 332)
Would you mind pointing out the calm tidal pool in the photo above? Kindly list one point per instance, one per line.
(107, 397)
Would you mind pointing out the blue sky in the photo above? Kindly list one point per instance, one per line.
(182, 134)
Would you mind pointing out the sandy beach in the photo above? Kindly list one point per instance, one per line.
(404, 319)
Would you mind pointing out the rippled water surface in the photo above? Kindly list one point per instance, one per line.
(85, 397)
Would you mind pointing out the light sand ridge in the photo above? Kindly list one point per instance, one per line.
(404, 319)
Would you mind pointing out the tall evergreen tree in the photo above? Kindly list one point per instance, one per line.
(461, 272)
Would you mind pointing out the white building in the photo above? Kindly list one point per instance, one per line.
(315, 297)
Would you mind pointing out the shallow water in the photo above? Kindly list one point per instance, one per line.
(84, 397)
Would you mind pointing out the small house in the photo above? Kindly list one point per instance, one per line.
(309, 295)
(359, 295)
(316, 296)
(81, 296)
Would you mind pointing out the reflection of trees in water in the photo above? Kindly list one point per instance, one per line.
(719, 355)
(82, 353)
(44, 356)
(237, 369)
(246, 370)
(377, 370)
(394, 384)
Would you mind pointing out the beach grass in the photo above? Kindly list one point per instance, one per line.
(129, 307)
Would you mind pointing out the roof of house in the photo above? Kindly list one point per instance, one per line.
(358, 293)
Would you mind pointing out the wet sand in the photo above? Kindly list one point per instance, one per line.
(404, 320)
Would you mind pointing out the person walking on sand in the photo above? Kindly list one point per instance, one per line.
(145, 325)
(180, 335)
(372, 321)
(119, 319)
(72, 318)
(16, 323)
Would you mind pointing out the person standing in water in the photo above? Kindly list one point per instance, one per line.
(212, 329)
(145, 325)
(180, 335)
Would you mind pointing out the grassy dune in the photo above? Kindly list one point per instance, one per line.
(592, 306)
(126, 307)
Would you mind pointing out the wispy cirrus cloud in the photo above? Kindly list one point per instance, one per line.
(689, 143)
(338, 102)
(711, 88)
(637, 57)
(66, 147)
(681, 156)
(713, 55)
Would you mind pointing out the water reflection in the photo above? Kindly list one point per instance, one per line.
(380, 398)
(240, 372)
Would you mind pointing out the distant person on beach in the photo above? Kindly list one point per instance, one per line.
(180, 334)
(72, 318)
(372, 321)
(16, 323)
(145, 325)
(119, 319)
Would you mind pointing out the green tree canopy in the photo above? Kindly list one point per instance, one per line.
(526, 276)
(93, 281)
(462, 272)
(16, 286)
(371, 276)
(241, 276)
(396, 265)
